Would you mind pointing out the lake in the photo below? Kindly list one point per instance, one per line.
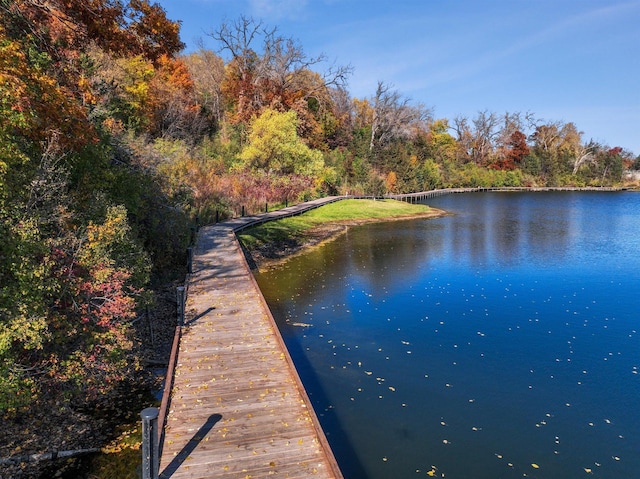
(499, 342)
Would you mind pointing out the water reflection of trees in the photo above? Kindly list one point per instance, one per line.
(506, 227)
(378, 255)
(509, 227)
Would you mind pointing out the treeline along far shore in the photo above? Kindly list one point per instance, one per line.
(113, 144)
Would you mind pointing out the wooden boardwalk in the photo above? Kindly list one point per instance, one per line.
(238, 408)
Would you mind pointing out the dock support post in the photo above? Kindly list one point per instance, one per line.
(190, 260)
(150, 462)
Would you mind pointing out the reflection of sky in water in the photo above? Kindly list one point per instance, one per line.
(479, 345)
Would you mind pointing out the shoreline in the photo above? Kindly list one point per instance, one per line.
(272, 253)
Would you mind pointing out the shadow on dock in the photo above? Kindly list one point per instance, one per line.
(190, 446)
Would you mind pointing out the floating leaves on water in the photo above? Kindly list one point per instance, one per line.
(535, 466)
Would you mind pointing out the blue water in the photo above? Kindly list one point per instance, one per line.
(499, 342)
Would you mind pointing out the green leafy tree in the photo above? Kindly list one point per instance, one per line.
(274, 146)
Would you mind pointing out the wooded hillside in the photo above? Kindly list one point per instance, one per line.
(112, 144)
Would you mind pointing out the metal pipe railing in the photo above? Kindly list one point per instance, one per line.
(150, 453)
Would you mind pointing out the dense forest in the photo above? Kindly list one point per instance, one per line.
(113, 144)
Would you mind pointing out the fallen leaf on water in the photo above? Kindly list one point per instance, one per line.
(535, 466)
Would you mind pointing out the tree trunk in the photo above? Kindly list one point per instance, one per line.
(47, 456)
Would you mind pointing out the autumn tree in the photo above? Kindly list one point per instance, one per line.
(48, 41)
(608, 163)
(440, 145)
(207, 72)
(339, 132)
(464, 139)
(69, 286)
(486, 132)
(274, 146)
(64, 28)
(34, 104)
(558, 147)
(175, 112)
(513, 152)
(265, 70)
(72, 266)
(394, 117)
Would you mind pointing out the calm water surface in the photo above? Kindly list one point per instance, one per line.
(500, 342)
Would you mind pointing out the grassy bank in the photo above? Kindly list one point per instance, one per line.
(277, 239)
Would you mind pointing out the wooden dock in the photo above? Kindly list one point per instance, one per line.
(238, 408)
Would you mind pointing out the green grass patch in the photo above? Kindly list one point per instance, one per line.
(294, 228)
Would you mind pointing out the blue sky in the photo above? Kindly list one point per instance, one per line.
(562, 60)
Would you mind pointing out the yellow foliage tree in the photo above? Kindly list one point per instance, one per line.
(274, 146)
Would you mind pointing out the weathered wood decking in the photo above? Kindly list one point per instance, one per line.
(238, 408)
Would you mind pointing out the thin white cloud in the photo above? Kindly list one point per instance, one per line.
(454, 68)
(278, 9)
